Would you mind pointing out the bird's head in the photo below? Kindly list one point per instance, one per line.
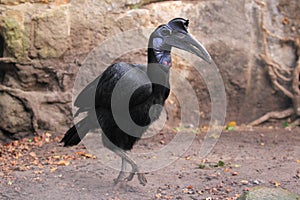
(175, 34)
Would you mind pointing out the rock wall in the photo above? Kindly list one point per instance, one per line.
(44, 43)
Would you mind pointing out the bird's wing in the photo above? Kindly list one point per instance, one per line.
(83, 100)
(123, 80)
(127, 76)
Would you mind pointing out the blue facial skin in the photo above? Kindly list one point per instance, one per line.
(162, 55)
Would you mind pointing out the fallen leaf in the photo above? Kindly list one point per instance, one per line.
(90, 156)
(36, 139)
(219, 164)
(215, 136)
(230, 126)
(80, 152)
(226, 169)
(228, 190)
(35, 162)
(38, 171)
(189, 187)
(63, 162)
(201, 166)
(56, 157)
(33, 154)
(275, 183)
(22, 168)
(285, 21)
(53, 169)
(214, 190)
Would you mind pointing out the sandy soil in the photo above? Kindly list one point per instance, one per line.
(259, 157)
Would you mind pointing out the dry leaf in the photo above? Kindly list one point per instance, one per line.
(232, 123)
(35, 162)
(38, 172)
(32, 154)
(56, 157)
(275, 183)
(63, 162)
(89, 156)
(53, 169)
(226, 169)
(80, 153)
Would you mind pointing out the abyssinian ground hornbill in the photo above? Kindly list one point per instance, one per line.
(123, 122)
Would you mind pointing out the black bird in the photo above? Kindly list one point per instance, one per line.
(126, 93)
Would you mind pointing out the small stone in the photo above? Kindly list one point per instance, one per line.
(244, 182)
(214, 190)
(234, 173)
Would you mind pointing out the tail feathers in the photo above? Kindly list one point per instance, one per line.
(77, 132)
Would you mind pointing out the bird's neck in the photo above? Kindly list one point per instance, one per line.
(158, 54)
(163, 57)
(158, 67)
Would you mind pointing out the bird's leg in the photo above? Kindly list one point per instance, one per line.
(135, 169)
(122, 172)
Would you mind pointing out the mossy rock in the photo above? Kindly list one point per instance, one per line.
(263, 193)
(16, 42)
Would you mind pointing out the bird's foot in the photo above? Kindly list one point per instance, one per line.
(123, 186)
(142, 178)
(130, 177)
(120, 178)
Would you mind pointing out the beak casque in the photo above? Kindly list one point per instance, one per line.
(186, 42)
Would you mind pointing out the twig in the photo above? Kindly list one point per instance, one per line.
(273, 114)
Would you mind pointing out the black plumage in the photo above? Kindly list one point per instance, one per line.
(143, 86)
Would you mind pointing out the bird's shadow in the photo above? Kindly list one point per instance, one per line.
(124, 186)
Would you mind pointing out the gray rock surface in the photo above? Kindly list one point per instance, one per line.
(264, 193)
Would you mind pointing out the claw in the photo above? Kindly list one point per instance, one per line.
(130, 177)
(142, 178)
(135, 170)
(120, 178)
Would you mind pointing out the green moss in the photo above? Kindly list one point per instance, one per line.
(17, 43)
(47, 53)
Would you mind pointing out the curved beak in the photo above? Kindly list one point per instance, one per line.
(186, 42)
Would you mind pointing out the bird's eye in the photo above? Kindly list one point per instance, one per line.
(165, 32)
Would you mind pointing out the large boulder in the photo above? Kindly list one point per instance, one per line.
(14, 117)
(264, 193)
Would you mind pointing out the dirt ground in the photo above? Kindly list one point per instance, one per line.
(241, 160)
